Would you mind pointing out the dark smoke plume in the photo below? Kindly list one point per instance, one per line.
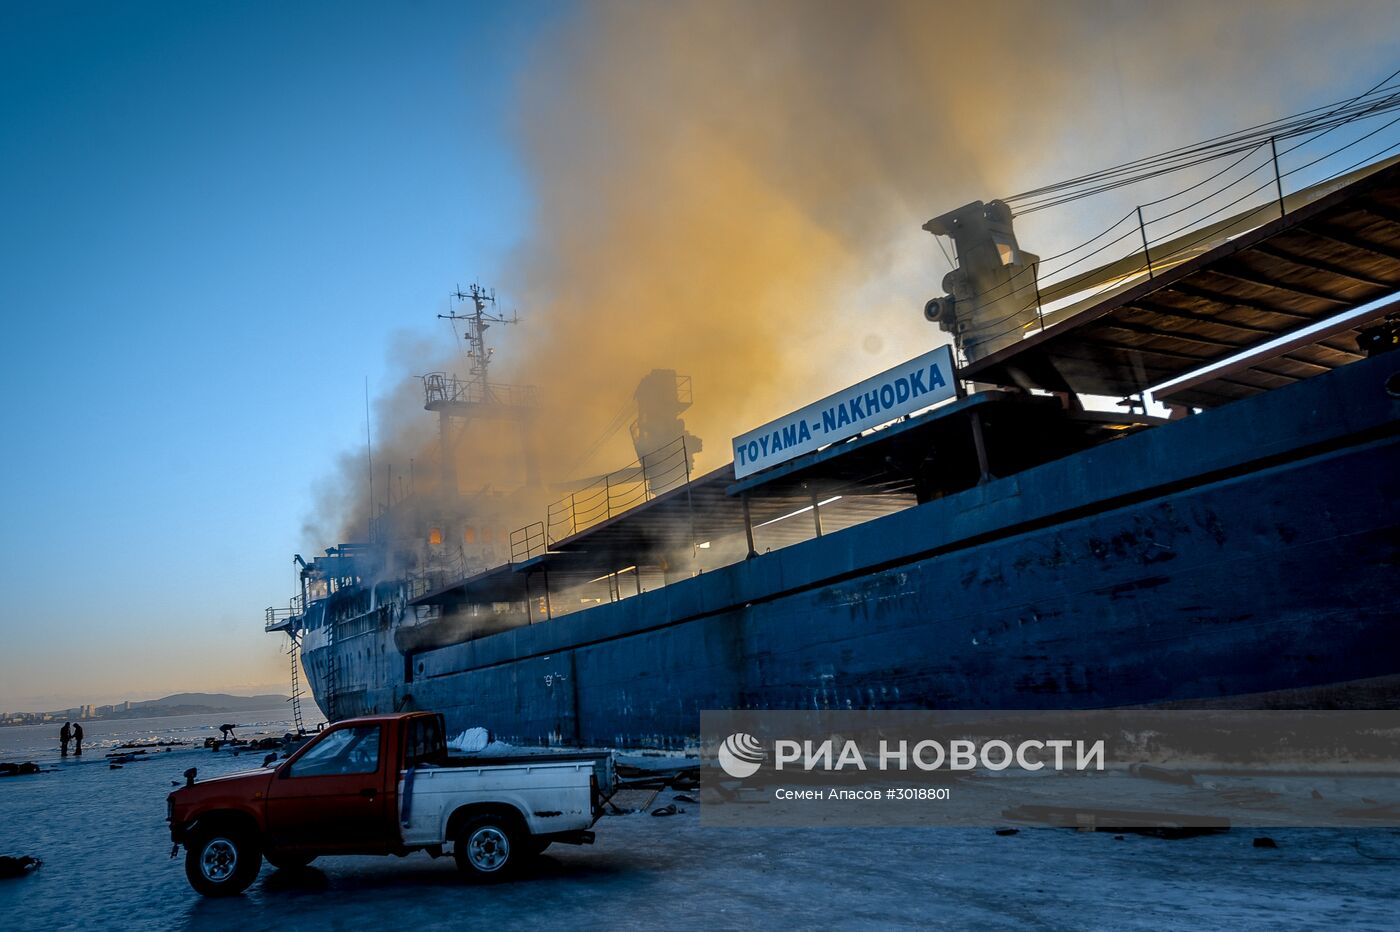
(734, 189)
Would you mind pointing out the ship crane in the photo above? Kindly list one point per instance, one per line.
(983, 308)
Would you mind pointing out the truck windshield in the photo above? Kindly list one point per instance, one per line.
(349, 750)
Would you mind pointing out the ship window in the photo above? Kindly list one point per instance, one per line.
(1006, 250)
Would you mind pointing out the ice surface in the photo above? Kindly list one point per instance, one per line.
(105, 846)
(33, 742)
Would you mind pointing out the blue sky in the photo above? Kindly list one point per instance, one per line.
(215, 216)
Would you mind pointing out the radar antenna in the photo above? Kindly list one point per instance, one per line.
(478, 322)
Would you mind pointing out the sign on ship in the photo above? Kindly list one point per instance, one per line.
(908, 387)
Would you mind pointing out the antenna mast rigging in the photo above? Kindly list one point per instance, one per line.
(478, 322)
(477, 396)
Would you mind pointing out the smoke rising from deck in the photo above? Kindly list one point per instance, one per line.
(735, 190)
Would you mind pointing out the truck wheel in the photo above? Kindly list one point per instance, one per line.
(222, 862)
(488, 848)
(288, 860)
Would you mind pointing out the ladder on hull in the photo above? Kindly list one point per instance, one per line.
(295, 653)
(330, 686)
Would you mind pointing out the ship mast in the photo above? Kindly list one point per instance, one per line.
(477, 396)
(478, 322)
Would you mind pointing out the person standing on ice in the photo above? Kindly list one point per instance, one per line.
(226, 731)
(65, 734)
(77, 739)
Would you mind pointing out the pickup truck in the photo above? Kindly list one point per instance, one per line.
(385, 784)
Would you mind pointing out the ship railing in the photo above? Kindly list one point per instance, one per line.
(278, 619)
(620, 490)
(444, 569)
(441, 388)
(1254, 179)
(656, 473)
(527, 542)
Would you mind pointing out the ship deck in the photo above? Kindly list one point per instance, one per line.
(942, 451)
(1315, 263)
(1263, 310)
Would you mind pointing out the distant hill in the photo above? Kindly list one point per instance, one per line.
(184, 703)
(178, 704)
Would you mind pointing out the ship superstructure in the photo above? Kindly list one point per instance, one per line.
(1009, 547)
(417, 536)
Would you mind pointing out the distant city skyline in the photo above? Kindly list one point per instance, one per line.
(143, 708)
(80, 712)
(144, 695)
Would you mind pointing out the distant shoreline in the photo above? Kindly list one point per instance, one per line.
(186, 710)
(234, 705)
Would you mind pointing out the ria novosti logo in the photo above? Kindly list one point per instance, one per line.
(740, 755)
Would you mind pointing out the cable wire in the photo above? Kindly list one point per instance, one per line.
(1316, 122)
(1351, 113)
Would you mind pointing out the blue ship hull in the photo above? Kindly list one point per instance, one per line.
(1251, 548)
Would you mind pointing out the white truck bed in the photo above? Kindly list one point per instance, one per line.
(552, 794)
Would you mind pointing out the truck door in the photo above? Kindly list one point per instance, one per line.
(332, 796)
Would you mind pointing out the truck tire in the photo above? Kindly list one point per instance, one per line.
(222, 861)
(288, 860)
(489, 848)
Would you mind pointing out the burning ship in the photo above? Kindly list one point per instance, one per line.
(965, 531)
